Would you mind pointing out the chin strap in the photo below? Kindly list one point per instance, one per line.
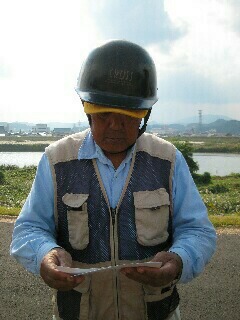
(143, 129)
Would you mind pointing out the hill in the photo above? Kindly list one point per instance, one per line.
(223, 126)
(206, 119)
(220, 126)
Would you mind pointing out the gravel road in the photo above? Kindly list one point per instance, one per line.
(212, 296)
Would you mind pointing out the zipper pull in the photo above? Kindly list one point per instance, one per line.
(113, 214)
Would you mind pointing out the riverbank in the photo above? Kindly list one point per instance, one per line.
(201, 144)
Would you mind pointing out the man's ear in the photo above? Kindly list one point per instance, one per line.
(89, 120)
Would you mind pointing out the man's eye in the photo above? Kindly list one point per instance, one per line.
(103, 115)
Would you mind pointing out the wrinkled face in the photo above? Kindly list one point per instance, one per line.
(114, 132)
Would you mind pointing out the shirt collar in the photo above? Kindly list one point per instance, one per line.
(90, 150)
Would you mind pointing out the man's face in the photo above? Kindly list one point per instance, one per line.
(114, 132)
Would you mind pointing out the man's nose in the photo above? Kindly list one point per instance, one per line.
(115, 121)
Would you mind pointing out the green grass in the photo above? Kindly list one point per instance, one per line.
(9, 211)
(23, 147)
(15, 185)
(211, 144)
(225, 144)
(232, 220)
(221, 195)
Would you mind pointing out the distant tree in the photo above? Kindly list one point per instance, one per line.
(187, 151)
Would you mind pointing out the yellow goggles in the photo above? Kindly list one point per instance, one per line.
(90, 108)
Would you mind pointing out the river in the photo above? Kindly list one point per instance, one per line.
(220, 164)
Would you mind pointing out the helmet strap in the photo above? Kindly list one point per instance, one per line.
(143, 129)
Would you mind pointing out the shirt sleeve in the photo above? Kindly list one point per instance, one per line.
(34, 231)
(194, 237)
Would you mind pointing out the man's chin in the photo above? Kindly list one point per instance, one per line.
(114, 151)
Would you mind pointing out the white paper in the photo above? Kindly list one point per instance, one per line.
(78, 271)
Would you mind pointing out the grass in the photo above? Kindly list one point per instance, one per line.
(9, 211)
(232, 220)
(15, 185)
(25, 143)
(225, 144)
(211, 144)
(221, 195)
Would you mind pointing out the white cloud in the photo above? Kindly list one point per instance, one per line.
(195, 45)
(43, 45)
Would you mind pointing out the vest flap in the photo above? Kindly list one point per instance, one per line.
(74, 200)
(151, 199)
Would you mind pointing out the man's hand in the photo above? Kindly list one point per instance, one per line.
(55, 278)
(157, 277)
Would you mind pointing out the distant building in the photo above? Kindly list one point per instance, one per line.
(4, 127)
(41, 128)
(2, 131)
(61, 131)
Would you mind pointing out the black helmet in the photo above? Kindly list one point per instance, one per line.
(118, 74)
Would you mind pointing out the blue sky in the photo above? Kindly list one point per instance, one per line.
(195, 46)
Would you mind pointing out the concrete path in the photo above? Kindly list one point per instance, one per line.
(214, 295)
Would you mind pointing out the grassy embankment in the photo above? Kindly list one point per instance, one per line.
(221, 196)
(200, 144)
(211, 144)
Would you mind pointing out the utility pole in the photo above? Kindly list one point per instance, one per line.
(200, 120)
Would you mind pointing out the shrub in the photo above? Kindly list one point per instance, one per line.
(202, 178)
(2, 177)
(218, 188)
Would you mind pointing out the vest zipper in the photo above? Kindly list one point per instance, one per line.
(113, 216)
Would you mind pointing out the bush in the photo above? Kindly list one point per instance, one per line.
(2, 178)
(218, 188)
(202, 178)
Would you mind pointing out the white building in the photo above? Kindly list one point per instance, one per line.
(61, 131)
(41, 128)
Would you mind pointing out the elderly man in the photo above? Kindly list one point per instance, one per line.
(113, 195)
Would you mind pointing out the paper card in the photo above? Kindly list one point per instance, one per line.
(78, 271)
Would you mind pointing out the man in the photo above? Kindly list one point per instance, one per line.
(112, 195)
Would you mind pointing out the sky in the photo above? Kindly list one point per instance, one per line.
(195, 46)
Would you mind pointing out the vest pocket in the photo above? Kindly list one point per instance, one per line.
(151, 216)
(77, 217)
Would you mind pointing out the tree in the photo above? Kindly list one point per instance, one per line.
(187, 151)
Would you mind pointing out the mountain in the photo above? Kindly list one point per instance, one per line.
(223, 126)
(218, 126)
(206, 119)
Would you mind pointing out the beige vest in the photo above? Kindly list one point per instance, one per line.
(110, 295)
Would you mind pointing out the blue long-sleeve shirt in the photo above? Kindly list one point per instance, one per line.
(194, 238)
